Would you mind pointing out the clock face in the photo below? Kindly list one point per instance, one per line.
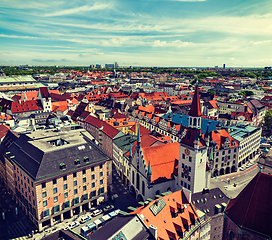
(187, 151)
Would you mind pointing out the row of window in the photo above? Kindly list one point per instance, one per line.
(66, 204)
(74, 175)
(65, 187)
(184, 184)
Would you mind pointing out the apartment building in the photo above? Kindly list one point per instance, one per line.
(54, 174)
(248, 138)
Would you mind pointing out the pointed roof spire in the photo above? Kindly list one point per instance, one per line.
(130, 151)
(211, 155)
(138, 137)
(195, 110)
(149, 169)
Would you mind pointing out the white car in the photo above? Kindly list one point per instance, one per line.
(96, 212)
(73, 225)
(85, 219)
(242, 168)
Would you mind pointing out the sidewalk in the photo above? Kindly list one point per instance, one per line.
(237, 174)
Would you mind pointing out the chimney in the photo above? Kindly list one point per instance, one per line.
(153, 230)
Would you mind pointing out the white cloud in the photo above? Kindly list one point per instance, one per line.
(159, 43)
(16, 36)
(261, 42)
(86, 8)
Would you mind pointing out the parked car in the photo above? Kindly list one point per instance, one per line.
(107, 208)
(96, 212)
(85, 219)
(73, 225)
(242, 168)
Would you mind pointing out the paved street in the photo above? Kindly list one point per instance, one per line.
(13, 226)
(240, 179)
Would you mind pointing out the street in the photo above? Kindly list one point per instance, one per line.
(13, 225)
(240, 179)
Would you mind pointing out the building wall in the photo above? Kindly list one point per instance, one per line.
(233, 232)
(192, 164)
(217, 227)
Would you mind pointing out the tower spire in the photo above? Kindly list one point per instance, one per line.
(138, 137)
(195, 110)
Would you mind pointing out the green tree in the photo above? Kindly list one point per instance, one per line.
(268, 121)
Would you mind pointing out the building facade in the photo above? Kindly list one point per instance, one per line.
(54, 175)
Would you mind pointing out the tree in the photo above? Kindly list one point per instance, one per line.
(211, 92)
(268, 121)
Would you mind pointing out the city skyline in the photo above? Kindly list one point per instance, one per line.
(142, 33)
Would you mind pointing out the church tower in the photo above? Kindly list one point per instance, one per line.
(192, 151)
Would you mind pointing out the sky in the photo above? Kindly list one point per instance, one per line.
(147, 33)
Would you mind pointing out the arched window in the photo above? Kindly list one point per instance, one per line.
(138, 181)
(143, 188)
(191, 121)
(158, 192)
(194, 121)
(133, 181)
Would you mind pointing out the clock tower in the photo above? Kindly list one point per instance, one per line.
(192, 151)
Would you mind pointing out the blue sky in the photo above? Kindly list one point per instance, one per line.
(178, 33)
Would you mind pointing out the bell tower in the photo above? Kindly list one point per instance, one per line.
(192, 151)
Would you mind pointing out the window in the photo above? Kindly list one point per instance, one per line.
(101, 174)
(55, 199)
(85, 197)
(46, 213)
(181, 183)
(92, 169)
(217, 154)
(76, 200)
(65, 178)
(101, 190)
(93, 193)
(75, 191)
(66, 204)
(44, 194)
(234, 156)
(216, 160)
(55, 190)
(183, 155)
(101, 166)
(189, 178)
(55, 181)
(93, 185)
(83, 171)
(43, 185)
(66, 195)
(65, 186)
(74, 174)
(44, 203)
(190, 159)
(84, 180)
(222, 164)
(189, 186)
(84, 188)
(93, 176)
(101, 182)
(56, 209)
(75, 183)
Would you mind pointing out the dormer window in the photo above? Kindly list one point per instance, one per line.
(86, 159)
(62, 166)
(77, 161)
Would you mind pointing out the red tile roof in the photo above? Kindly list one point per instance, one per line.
(162, 168)
(252, 208)
(26, 106)
(3, 130)
(107, 129)
(173, 219)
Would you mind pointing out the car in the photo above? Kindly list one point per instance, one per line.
(242, 168)
(73, 225)
(85, 219)
(107, 208)
(96, 212)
